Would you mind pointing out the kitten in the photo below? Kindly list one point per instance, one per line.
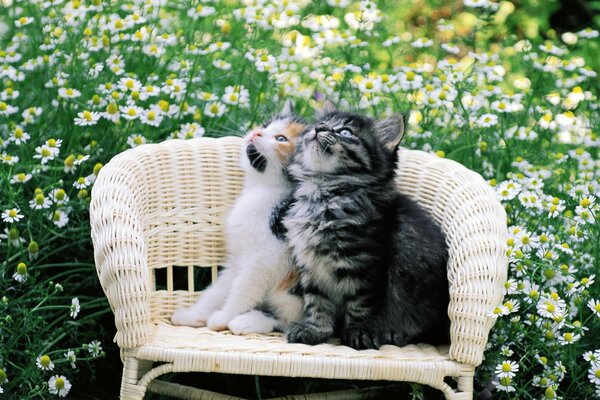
(372, 262)
(258, 272)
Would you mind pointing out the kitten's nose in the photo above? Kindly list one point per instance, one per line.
(322, 128)
(255, 134)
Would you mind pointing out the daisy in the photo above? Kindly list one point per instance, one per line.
(7, 109)
(152, 117)
(20, 274)
(60, 218)
(81, 183)
(59, 196)
(504, 385)
(568, 338)
(44, 153)
(550, 308)
(12, 215)
(20, 178)
(94, 348)
(149, 91)
(87, 118)
(507, 369)
(153, 50)
(189, 131)
(129, 84)
(75, 308)
(44, 363)
(80, 159)
(68, 93)
(215, 109)
(135, 140)
(130, 112)
(594, 373)
(222, 64)
(422, 43)
(487, 120)
(71, 358)
(236, 95)
(40, 202)
(24, 21)
(59, 385)
(200, 11)
(19, 136)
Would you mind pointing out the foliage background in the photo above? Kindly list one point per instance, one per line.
(488, 84)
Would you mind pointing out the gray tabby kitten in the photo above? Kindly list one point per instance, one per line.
(372, 262)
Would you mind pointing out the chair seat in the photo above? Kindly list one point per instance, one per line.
(200, 349)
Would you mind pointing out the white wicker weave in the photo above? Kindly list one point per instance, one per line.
(162, 207)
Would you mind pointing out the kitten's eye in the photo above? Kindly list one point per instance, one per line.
(345, 133)
(281, 138)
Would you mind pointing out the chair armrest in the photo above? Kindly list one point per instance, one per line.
(120, 252)
(477, 268)
(474, 223)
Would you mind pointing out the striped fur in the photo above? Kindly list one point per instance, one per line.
(372, 262)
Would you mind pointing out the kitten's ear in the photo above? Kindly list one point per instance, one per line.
(390, 131)
(328, 108)
(288, 109)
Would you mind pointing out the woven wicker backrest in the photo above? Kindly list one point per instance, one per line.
(177, 194)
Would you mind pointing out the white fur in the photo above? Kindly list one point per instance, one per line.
(258, 262)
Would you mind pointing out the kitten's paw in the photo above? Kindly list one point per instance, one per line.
(307, 334)
(251, 322)
(188, 317)
(360, 339)
(219, 320)
(391, 337)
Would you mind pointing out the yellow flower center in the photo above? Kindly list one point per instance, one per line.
(112, 108)
(45, 361)
(59, 383)
(81, 180)
(131, 112)
(506, 367)
(88, 116)
(585, 203)
(39, 199)
(151, 115)
(23, 20)
(119, 24)
(22, 270)
(69, 92)
(60, 194)
(129, 84)
(550, 307)
(138, 140)
(568, 336)
(214, 108)
(46, 153)
(21, 177)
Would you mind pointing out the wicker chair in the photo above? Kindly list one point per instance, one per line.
(159, 210)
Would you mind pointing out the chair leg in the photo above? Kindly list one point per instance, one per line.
(133, 370)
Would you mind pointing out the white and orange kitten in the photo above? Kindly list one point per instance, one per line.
(258, 273)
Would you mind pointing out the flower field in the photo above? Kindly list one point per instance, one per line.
(488, 84)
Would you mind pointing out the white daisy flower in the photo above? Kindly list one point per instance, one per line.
(24, 21)
(18, 135)
(59, 385)
(59, 196)
(44, 363)
(20, 274)
(75, 307)
(20, 178)
(87, 118)
(40, 202)
(152, 117)
(71, 358)
(507, 369)
(129, 84)
(568, 338)
(68, 93)
(44, 153)
(487, 120)
(422, 43)
(135, 140)
(594, 305)
(12, 215)
(215, 109)
(131, 112)
(81, 183)
(60, 218)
